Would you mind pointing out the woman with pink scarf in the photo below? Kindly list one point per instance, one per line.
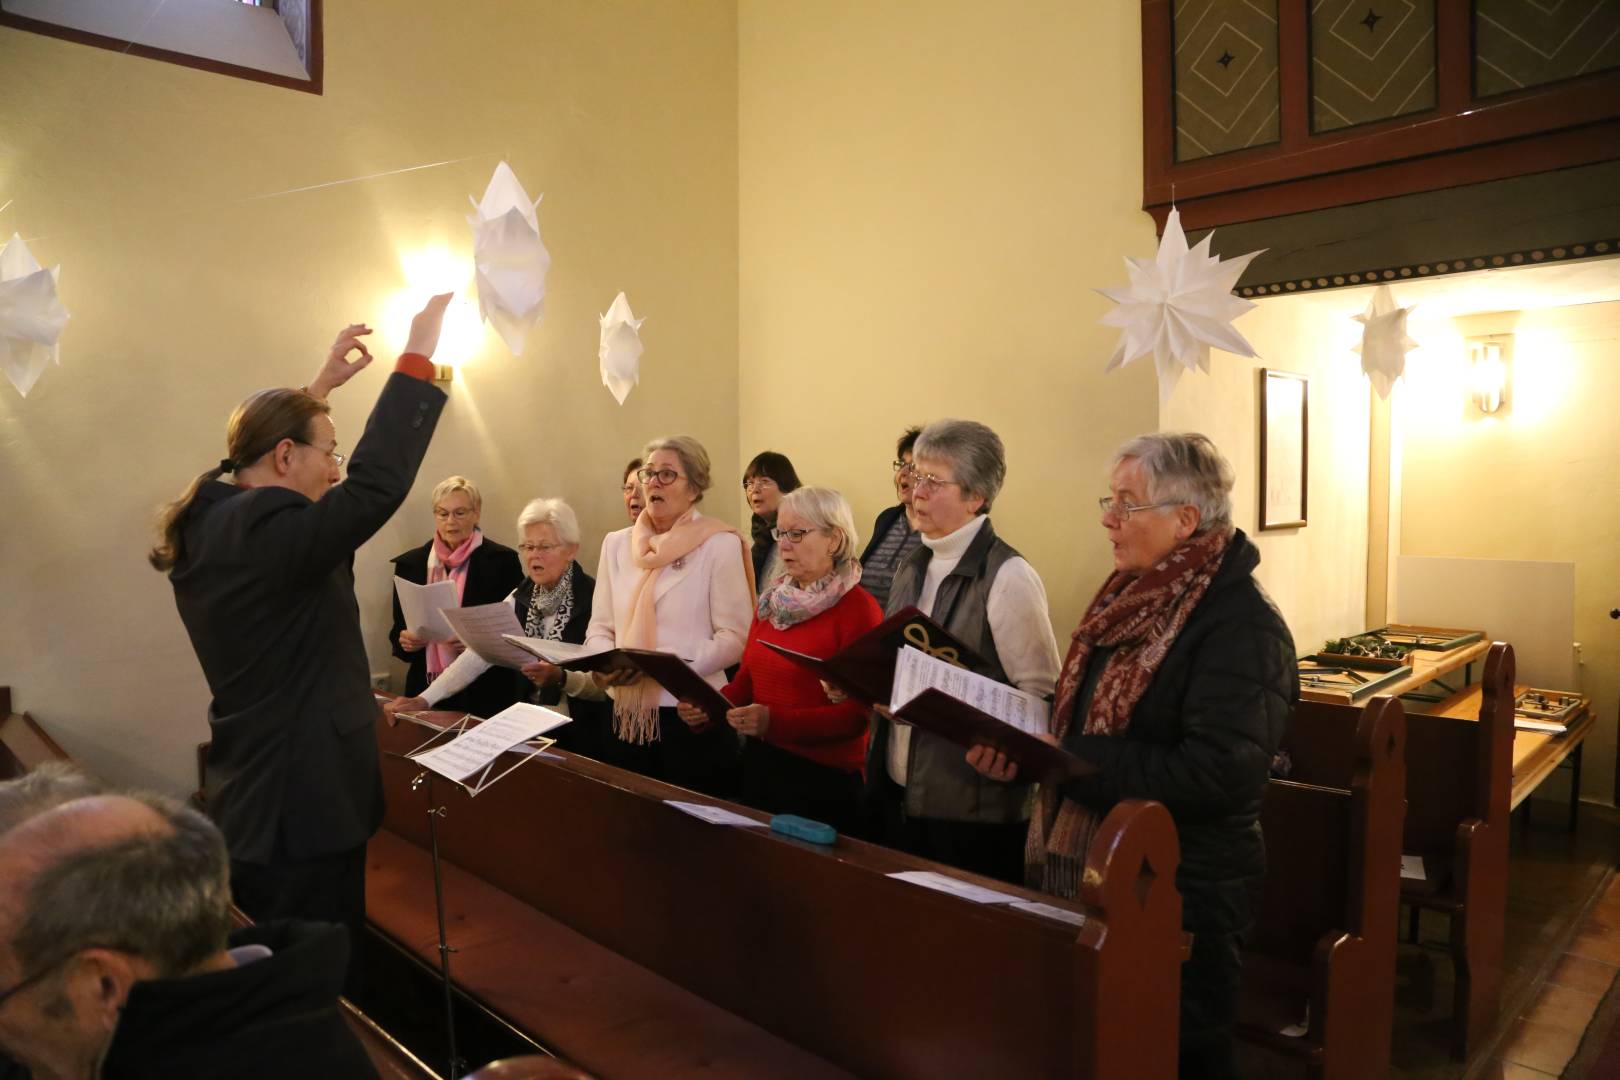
(682, 583)
(484, 573)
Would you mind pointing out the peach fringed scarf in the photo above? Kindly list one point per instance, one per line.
(635, 706)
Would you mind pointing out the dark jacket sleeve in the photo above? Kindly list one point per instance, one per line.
(1238, 692)
(306, 540)
(880, 529)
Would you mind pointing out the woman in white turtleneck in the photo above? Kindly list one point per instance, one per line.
(978, 587)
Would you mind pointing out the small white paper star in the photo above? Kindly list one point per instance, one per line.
(510, 258)
(1178, 305)
(620, 348)
(31, 315)
(1384, 344)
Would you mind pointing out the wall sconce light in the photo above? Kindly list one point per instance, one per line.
(1488, 371)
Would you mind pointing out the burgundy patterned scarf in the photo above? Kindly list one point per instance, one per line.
(1140, 616)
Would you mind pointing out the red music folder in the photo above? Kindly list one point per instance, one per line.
(936, 711)
(864, 669)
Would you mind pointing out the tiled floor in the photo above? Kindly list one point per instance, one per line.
(1547, 1034)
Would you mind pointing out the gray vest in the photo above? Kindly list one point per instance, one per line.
(939, 781)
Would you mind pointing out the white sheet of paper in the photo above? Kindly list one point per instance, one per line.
(510, 258)
(1412, 868)
(477, 747)
(423, 607)
(956, 887)
(483, 629)
(714, 815)
(31, 316)
(1048, 911)
(618, 352)
(916, 671)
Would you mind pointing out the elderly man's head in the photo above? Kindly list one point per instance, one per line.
(96, 895)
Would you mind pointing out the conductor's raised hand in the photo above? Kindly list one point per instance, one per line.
(990, 762)
(337, 368)
(427, 324)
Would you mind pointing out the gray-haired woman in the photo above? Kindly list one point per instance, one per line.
(929, 800)
(680, 582)
(553, 603)
(1178, 684)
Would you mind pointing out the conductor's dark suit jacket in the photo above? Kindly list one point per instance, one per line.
(265, 587)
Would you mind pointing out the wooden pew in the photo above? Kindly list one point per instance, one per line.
(1457, 820)
(633, 940)
(1323, 943)
(24, 745)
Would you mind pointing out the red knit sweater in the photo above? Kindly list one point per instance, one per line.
(802, 719)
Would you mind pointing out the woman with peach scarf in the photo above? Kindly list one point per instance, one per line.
(682, 583)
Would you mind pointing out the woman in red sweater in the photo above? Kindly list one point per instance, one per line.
(803, 754)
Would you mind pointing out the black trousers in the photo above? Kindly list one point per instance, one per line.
(779, 781)
(331, 888)
(993, 849)
(1209, 991)
(704, 761)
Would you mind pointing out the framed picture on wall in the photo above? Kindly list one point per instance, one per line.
(1283, 442)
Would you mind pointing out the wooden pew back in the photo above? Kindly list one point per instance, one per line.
(817, 945)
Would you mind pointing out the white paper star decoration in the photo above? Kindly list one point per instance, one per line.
(1384, 343)
(510, 258)
(31, 315)
(1178, 305)
(620, 350)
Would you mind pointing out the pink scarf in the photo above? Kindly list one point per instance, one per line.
(635, 706)
(444, 564)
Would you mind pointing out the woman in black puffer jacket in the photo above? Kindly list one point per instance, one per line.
(1178, 683)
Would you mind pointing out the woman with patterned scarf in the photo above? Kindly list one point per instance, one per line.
(679, 582)
(1178, 683)
(483, 572)
(553, 603)
(803, 754)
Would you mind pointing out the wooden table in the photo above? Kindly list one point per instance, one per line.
(1535, 753)
(1427, 667)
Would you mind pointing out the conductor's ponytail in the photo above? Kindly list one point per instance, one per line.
(255, 429)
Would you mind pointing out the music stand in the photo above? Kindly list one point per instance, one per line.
(526, 751)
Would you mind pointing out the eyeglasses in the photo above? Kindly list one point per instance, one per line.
(544, 549)
(1123, 510)
(761, 482)
(902, 466)
(923, 483)
(460, 513)
(791, 535)
(337, 458)
(628, 488)
(661, 477)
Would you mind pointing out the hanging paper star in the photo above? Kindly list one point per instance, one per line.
(31, 315)
(620, 350)
(510, 258)
(1178, 305)
(1384, 343)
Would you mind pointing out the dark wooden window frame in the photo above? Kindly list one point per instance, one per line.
(315, 63)
(1463, 140)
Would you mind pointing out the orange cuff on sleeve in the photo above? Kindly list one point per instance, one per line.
(416, 366)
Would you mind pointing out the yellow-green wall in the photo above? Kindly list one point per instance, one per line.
(187, 291)
(929, 191)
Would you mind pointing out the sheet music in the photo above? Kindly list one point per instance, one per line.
(553, 652)
(714, 815)
(483, 629)
(916, 671)
(955, 886)
(423, 607)
(1412, 868)
(477, 747)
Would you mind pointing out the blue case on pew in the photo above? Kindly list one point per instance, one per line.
(817, 832)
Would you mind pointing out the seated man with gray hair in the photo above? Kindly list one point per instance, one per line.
(116, 957)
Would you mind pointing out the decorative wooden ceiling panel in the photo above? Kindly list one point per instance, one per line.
(1226, 76)
(1370, 61)
(1524, 43)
